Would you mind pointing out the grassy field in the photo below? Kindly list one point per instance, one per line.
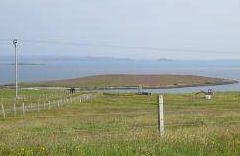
(127, 81)
(126, 124)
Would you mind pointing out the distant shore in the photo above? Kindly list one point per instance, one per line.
(126, 81)
(24, 64)
(167, 87)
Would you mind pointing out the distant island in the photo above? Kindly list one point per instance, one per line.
(95, 59)
(26, 64)
(164, 60)
(127, 81)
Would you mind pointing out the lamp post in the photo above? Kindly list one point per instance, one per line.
(16, 69)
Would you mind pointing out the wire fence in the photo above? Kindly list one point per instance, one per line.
(11, 107)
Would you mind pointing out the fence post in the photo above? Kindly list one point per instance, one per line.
(38, 107)
(160, 114)
(15, 109)
(3, 112)
(61, 102)
(23, 108)
(49, 105)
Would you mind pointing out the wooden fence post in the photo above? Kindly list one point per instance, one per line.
(15, 109)
(23, 108)
(49, 105)
(38, 108)
(160, 115)
(3, 112)
(62, 103)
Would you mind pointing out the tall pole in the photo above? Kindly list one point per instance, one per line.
(16, 68)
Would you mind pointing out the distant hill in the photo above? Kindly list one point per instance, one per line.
(89, 59)
(65, 58)
(164, 60)
(133, 81)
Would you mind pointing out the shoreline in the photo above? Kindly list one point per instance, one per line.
(171, 87)
(125, 81)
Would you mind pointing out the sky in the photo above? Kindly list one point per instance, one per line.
(174, 29)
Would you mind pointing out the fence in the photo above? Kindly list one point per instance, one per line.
(10, 107)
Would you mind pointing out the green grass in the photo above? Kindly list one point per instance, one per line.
(126, 124)
(9, 93)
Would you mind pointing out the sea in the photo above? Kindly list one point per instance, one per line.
(42, 69)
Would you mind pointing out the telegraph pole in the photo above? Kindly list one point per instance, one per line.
(16, 68)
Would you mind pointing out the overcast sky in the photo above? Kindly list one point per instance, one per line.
(176, 29)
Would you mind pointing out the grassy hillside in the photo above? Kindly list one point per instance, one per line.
(125, 81)
(125, 124)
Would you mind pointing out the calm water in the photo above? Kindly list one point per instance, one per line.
(62, 69)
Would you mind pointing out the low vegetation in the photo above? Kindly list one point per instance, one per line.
(126, 124)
